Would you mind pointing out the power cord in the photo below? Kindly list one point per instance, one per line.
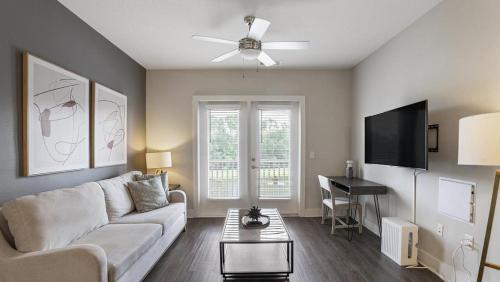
(416, 173)
(467, 243)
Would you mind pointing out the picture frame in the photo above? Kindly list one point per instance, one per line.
(109, 127)
(55, 118)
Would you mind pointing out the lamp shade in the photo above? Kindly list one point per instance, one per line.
(159, 160)
(479, 140)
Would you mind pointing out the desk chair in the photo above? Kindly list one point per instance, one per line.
(329, 197)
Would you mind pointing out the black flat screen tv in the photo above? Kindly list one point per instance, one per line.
(398, 137)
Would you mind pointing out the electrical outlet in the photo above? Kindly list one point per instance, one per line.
(312, 155)
(469, 241)
(439, 229)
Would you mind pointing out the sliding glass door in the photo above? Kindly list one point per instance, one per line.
(248, 155)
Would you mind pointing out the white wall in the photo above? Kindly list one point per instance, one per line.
(451, 56)
(328, 113)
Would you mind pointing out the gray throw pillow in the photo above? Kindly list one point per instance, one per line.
(148, 194)
(163, 176)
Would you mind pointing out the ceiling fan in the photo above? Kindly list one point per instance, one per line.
(251, 46)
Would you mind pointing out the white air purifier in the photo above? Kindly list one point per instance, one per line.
(399, 240)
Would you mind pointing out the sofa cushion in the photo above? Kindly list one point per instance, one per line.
(118, 199)
(148, 194)
(54, 219)
(123, 244)
(165, 216)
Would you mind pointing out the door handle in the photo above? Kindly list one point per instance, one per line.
(254, 167)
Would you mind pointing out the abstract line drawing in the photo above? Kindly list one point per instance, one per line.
(109, 126)
(56, 118)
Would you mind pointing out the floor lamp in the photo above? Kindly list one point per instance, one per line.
(479, 144)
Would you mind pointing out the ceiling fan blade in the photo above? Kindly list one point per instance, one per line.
(266, 60)
(226, 56)
(214, 40)
(258, 28)
(285, 45)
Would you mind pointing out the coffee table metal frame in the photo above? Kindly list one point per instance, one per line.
(255, 274)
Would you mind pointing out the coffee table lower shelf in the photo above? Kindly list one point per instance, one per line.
(256, 259)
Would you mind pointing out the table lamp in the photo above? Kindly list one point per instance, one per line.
(159, 161)
(479, 144)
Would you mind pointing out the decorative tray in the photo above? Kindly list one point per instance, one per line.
(261, 223)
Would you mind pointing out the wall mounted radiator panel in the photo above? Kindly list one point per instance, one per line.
(399, 240)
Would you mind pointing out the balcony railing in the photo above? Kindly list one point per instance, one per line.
(223, 179)
(273, 179)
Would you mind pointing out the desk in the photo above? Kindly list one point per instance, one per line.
(357, 187)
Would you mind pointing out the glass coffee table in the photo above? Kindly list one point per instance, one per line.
(255, 252)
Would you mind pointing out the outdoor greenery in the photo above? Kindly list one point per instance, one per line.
(224, 137)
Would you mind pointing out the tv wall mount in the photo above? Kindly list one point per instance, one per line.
(433, 138)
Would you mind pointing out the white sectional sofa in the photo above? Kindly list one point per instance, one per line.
(87, 233)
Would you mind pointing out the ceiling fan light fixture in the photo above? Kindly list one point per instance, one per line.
(249, 48)
(250, 54)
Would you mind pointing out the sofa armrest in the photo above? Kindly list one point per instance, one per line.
(74, 263)
(178, 196)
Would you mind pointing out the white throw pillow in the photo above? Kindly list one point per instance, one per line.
(118, 199)
(54, 219)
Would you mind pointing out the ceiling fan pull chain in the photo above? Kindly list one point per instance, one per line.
(243, 71)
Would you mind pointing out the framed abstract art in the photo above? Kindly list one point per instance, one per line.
(109, 127)
(55, 118)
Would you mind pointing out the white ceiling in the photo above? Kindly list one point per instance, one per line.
(157, 33)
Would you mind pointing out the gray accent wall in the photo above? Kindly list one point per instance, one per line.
(47, 29)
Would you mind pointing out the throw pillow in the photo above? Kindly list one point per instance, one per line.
(118, 199)
(148, 194)
(163, 176)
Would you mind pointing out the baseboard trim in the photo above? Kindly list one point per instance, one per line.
(372, 226)
(314, 212)
(424, 259)
(207, 214)
(311, 213)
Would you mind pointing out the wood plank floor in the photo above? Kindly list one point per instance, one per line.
(318, 255)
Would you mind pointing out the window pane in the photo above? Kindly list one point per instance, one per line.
(274, 154)
(223, 154)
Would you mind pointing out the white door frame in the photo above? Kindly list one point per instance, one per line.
(246, 98)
